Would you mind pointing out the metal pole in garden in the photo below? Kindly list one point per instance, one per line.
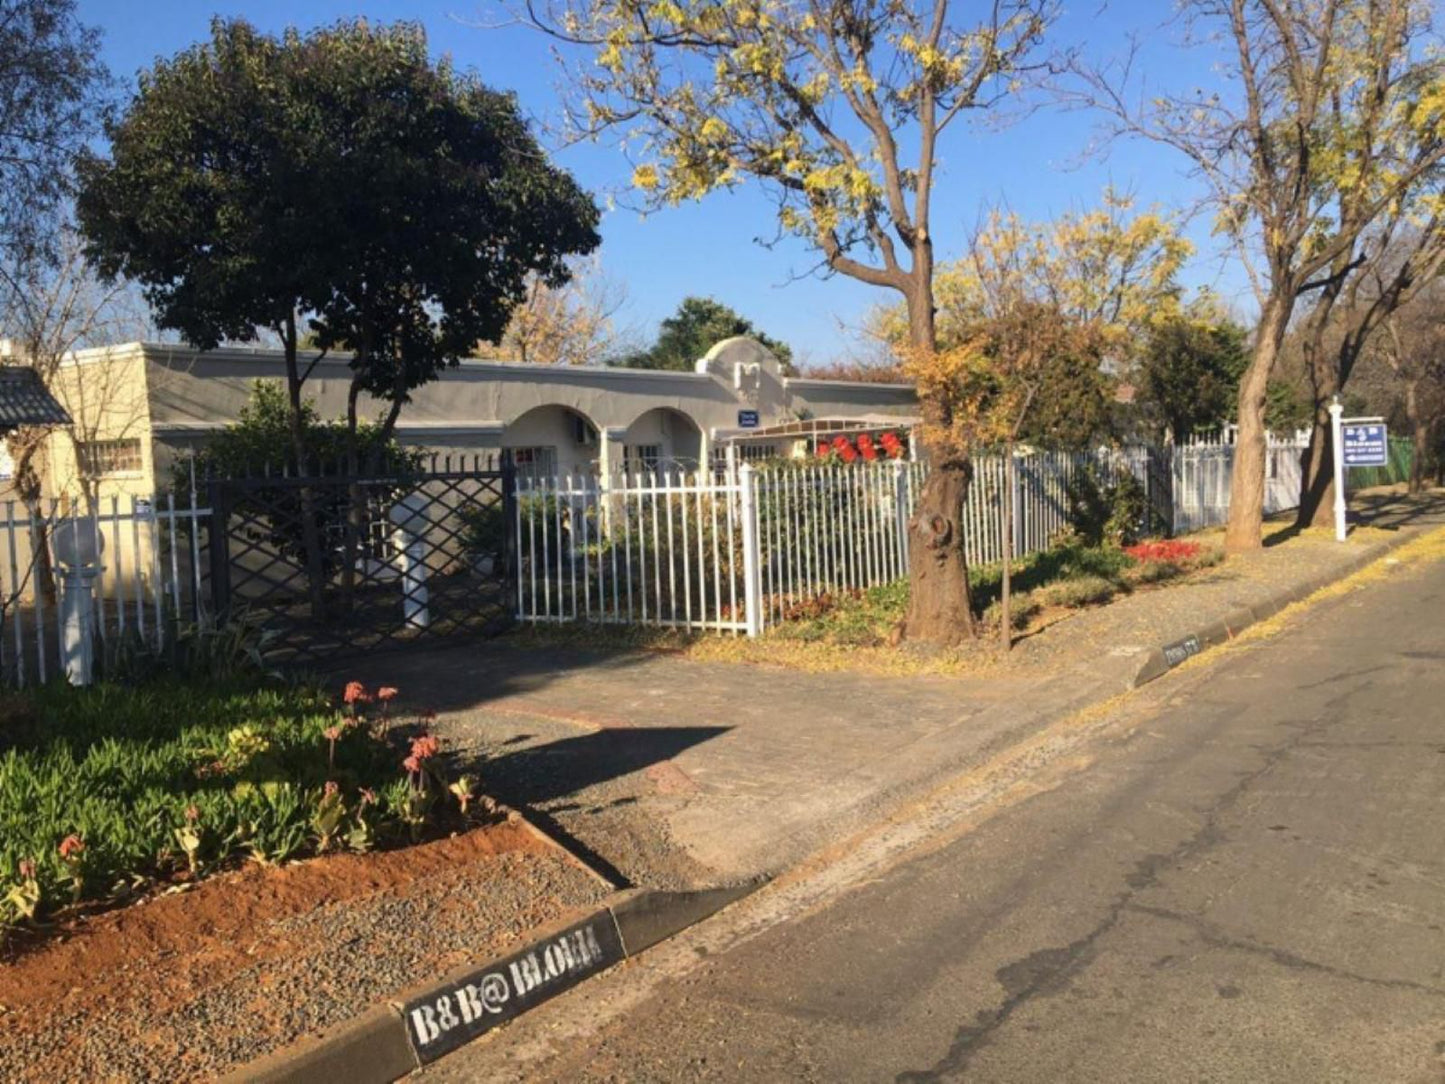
(1006, 630)
(1337, 445)
(752, 564)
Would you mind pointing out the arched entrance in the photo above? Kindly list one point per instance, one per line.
(552, 440)
(663, 439)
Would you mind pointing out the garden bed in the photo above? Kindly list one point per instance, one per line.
(193, 873)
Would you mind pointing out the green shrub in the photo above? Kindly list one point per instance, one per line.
(1128, 511)
(484, 528)
(1083, 591)
(1104, 514)
(139, 783)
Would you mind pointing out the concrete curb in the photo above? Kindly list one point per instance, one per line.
(381, 1045)
(1167, 656)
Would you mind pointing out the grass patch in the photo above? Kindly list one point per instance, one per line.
(107, 790)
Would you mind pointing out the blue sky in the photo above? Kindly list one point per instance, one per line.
(709, 248)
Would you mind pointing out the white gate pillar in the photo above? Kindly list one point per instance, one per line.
(78, 546)
(408, 516)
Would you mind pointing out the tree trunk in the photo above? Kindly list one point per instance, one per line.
(310, 529)
(25, 446)
(1420, 432)
(940, 608)
(1317, 472)
(1245, 527)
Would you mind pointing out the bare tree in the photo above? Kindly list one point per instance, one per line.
(1409, 383)
(1328, 118)
(571, 324)
(52, 309)
(1394, 263)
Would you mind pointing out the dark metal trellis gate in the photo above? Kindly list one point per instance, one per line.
(333, 565)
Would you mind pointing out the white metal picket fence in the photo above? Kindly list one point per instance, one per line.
(149, 579)
(668, 548)
(1202, 471)
(736, 554)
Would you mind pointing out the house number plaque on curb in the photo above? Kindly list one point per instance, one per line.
(473, 1005)
(1180, 650)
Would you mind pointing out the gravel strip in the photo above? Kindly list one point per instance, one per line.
(355, 954)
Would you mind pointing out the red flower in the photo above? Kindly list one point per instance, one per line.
(411, 764)
(385, 693)
(355, 693)
(1171, 550)
(72, 846)
(368, 796)
(192, 813)
(823, 449)
(424, 747)
(331, 733)
(27, 869)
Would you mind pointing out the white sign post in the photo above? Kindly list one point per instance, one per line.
(1337, 444)
(1357, 442)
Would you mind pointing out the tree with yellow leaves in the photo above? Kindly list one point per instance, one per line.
(837, 110)
(1330, 114)
(1033, 306)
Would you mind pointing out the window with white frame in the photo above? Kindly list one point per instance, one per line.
(536, 461)
(756, 453)
(643, 457)
(108, 458)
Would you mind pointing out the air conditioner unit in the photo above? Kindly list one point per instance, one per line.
(582, 429)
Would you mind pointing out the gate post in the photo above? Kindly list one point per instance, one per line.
(219, 547)
(752, 562)
(511, 566)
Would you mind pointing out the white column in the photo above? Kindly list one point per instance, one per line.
(1337, 454)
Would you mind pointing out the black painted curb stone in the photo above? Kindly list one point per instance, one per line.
(391, 1040)
(1167, 656)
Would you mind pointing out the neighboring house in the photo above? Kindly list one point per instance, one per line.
(139, 406)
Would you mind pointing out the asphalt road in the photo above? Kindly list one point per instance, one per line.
(1247, 882)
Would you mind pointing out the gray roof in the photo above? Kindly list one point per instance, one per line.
(24, 400)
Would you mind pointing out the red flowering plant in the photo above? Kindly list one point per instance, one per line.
(72, 856)
(421, 770)
(1172, 550)
(892, 446)
(866, 447)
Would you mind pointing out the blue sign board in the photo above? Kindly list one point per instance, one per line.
(1366, 445)
(747, 419)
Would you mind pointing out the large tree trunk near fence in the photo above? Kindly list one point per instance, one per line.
(310, 528)
(1317, 474)
(1420, 436)
(940, 609)
(1245, 527)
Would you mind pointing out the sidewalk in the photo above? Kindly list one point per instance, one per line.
(672, 773)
